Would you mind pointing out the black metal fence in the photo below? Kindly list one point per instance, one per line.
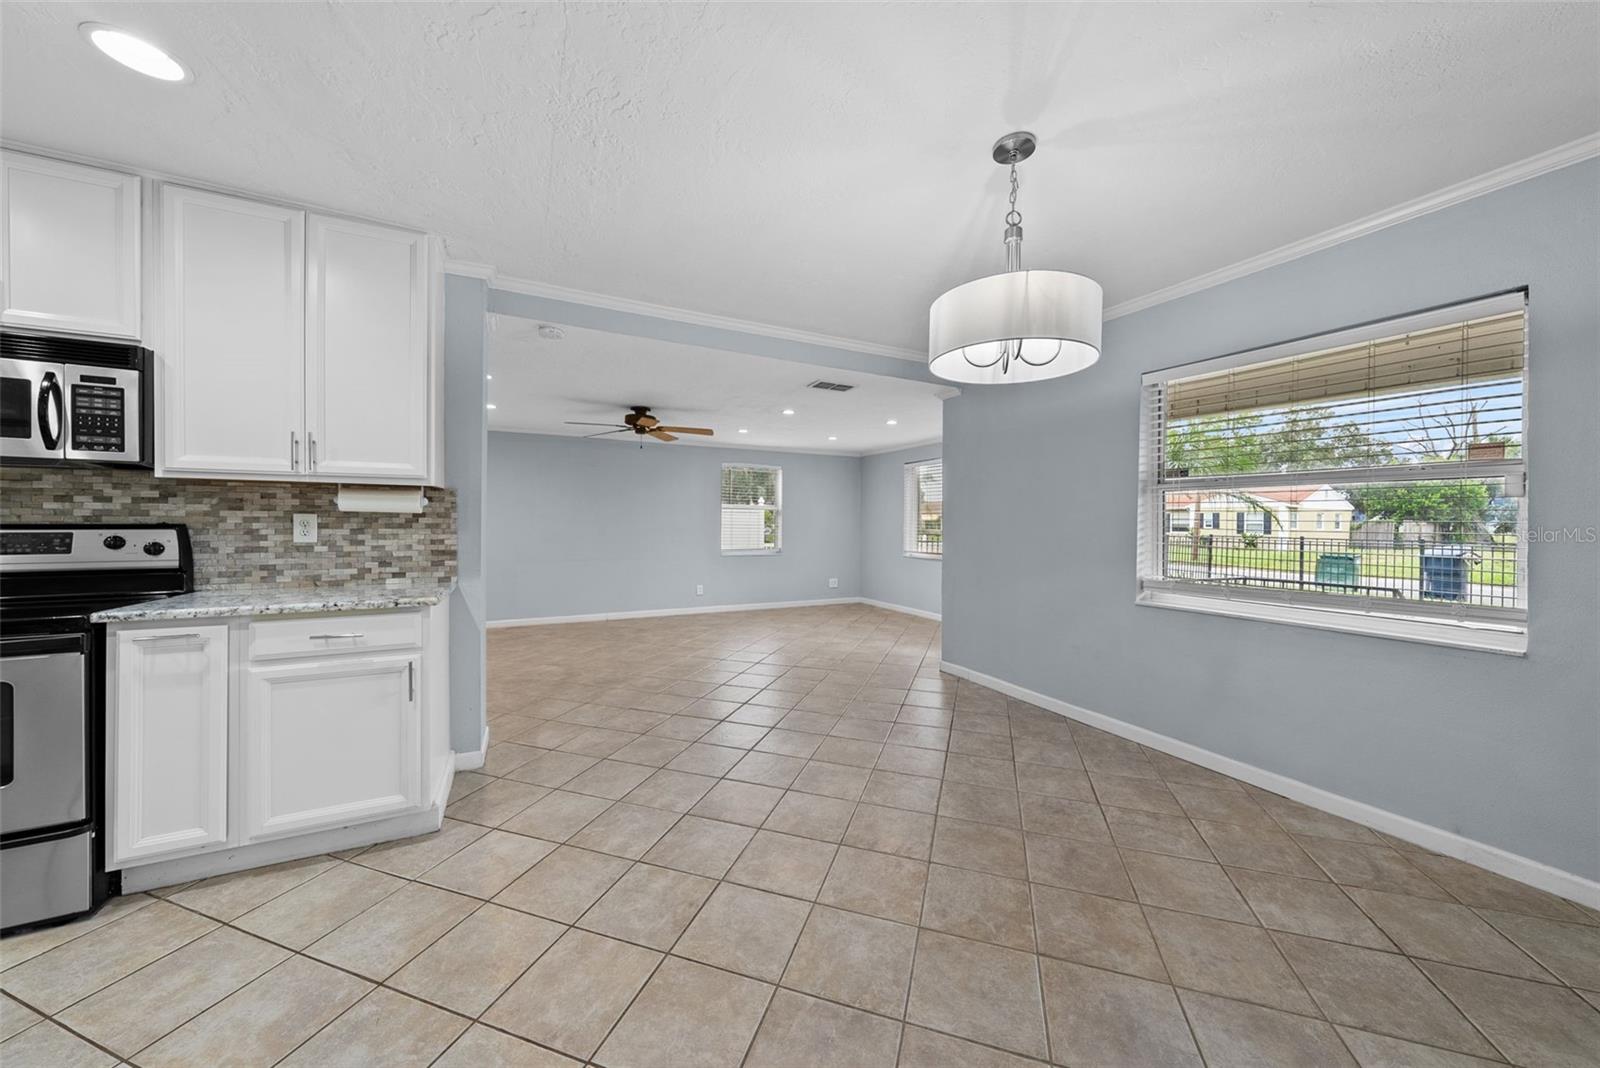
(1480, 572)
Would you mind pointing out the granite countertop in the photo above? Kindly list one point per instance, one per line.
(275, 601)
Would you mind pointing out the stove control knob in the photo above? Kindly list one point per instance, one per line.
(154, 548)
(114, 541)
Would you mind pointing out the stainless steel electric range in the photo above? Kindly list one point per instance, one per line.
(52, 702)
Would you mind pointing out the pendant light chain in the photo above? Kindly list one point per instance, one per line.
(1013, 237)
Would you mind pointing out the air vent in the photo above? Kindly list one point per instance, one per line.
(836, 387)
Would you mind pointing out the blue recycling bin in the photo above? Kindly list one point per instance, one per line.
(1445, 570)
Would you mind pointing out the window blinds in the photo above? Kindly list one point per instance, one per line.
(1448, 393)
(751, 509)
(924, 508)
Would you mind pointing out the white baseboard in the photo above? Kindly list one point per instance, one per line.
(182, 870)
(649, 613)
(472, 760)
(1512, 865)
(908, 610)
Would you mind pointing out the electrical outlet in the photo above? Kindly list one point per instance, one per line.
(833, 584)
(305, 528)
(699, 590)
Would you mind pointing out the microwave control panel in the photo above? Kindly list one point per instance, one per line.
(98, 416)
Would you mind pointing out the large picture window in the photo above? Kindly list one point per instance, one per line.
(924, 509)
(1401, 441)
(752, 510)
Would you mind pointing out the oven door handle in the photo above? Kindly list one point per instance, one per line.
(50, 399)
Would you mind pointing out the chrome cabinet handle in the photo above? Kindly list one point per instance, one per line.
(169, 638)
(311, 451)
(294, 451)
(324, 637)
(411, 679)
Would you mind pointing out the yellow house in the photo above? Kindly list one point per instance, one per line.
(1321, 513)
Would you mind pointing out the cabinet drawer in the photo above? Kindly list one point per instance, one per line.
(273, 639)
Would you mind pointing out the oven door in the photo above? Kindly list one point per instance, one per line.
(103, 416)
(32, 410)
(44, 756)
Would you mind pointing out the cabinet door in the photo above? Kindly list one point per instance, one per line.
(233, 341)
(331, 742)
(169, 742)
(367, 369)
(69, 247)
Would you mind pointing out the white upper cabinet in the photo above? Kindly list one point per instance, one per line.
(367, 370)
(294, 346)
(233, 338)
(69, 247)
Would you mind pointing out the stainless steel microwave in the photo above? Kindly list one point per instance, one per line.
(71, 400)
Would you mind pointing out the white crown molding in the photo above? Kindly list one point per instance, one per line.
(926, 444)
(469, 269)
(1554, 159)
(701, 443)
(695, 318)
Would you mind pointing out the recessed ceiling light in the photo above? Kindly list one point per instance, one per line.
(832, 438)
(744, 430)
(135, 53)
(893, 422)
(788, 411)
(490, 378)
(489, 406)
(551, 333)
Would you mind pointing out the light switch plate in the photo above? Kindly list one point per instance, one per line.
(305, 528)
(699, 591)
(833, 584)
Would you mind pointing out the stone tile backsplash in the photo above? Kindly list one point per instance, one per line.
(241, 530)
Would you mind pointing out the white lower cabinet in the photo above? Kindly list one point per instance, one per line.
(328, 741)
(234, 737)
(170, 740)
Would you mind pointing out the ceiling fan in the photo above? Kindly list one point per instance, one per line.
(640, 421)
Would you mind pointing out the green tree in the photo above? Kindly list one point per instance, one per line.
(1459, 509)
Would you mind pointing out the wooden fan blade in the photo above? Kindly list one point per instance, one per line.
(607, 433)
(704, 431)
(661, 435)
(569, 422)
(647, 421)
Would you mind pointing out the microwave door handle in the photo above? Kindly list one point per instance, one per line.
(50, 401)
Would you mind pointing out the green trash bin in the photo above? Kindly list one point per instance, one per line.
(1338, 569)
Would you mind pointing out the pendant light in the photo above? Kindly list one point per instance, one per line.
(1018, 326)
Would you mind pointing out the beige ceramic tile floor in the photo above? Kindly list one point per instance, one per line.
(784, 839)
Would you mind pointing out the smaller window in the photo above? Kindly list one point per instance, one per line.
(1320, 519)
(924, 509)
(1294, 519)
(1178, 520)
(752, 509)
(1216, 521)
(1255, 522)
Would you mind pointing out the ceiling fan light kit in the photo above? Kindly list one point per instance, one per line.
(1017, 326)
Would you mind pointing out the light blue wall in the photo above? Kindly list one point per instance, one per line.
(465, 431)
(586, 527)
(887, 574)
(1039, 569)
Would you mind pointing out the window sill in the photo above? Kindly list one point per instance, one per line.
(1479, 637)
(924, 556)
(751, 552)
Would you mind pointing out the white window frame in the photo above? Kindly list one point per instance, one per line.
(777, 511)
(1483, 628)
(910, 503)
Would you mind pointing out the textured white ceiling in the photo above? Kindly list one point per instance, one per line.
(821, 166)
(594, 376)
